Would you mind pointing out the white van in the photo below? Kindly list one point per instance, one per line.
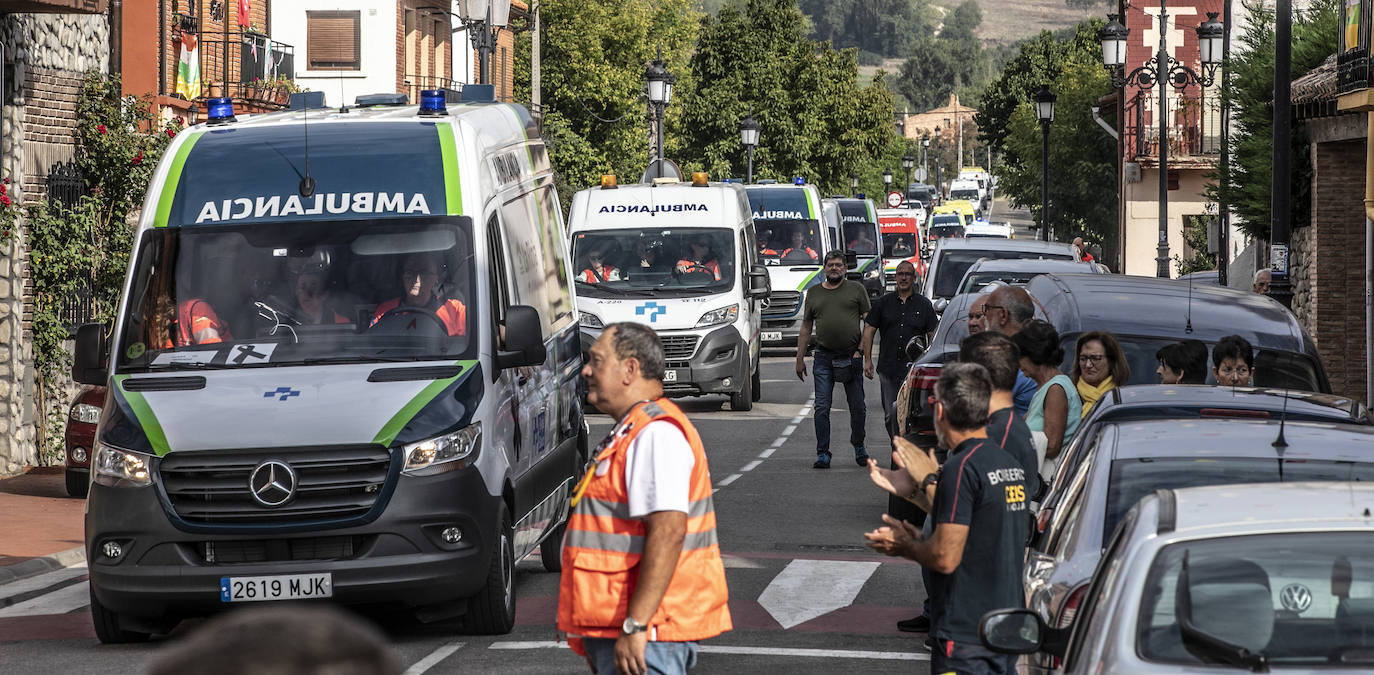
(344, 366)
(793, 240)
(859, 221)
(971, 190)
(681, 258)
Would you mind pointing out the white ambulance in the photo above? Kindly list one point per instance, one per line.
(681, 258)
(793, 241)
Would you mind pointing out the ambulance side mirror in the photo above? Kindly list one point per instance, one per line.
(524, 339)
(88, 360)
(759, 285)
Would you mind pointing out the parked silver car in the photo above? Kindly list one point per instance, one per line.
(1128, 460)
(1230, 576)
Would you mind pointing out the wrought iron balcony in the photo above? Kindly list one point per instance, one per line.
(1194, 128)
(250, 67)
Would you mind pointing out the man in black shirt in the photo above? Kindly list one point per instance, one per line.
(978, 503)
(897, 317)
(999, 355)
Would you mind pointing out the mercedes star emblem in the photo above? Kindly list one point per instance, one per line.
(272, 483)
(1295, 598)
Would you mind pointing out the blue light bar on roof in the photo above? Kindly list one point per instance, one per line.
(220, 110)
(798, 180)
(432, 102)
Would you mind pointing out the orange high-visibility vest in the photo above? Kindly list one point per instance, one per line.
(603, 546)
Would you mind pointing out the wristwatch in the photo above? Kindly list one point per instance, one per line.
(630, 627)
(930, 479)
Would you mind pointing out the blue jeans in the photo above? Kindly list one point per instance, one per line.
(661, 658)
(822, 370)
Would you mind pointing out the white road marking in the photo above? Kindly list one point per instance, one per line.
(40, 582)
(733, 562)
(750, 466)
(434, 658)
(59, 601)
(806, 589)
(788, 431)
(728, 480)
(767, 453)
(777, 442)
(746, 651)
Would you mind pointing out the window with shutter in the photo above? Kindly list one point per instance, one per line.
(333, 40)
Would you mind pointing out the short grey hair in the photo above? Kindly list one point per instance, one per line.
(1263, 270)
(1017, 302)
(964, 389)
(639, 342)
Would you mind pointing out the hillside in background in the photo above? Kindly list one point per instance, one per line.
(1009, 21)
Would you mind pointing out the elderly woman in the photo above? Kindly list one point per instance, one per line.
(1056, 409)
(1100, 367)
(1233, 361)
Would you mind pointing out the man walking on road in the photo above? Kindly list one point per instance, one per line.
(897, 317)
(978, 502)
(1006, 309)
(834, 309)
(642, 576)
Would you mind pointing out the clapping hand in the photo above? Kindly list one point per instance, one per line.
(918, 463)
(898, 538)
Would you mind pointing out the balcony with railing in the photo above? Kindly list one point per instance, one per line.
(257, 71)
(1352, 53)
(1194, 131)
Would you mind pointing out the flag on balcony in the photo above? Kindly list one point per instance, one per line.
(243, 12)
(188, 68)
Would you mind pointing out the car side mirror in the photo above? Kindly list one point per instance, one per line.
(524, 339)
(941, 304)
(759, 285)
(1012, 631)
(915, 348)
(89, 357)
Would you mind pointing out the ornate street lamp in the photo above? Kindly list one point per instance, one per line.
(854, 184)
(1044, 111)
(483, 19)
(908, 163)
(1163, 68)
(939, 178)
(749, 137)
(887, 181)
(658, 84)
(925, 146)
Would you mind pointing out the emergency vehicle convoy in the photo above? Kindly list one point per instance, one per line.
(682, 258)
(902, 240)
(345, 367)
(859, 231)
(792, 242)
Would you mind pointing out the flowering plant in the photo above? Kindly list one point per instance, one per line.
(9, 211)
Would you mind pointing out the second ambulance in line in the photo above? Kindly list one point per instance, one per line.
(791, 243)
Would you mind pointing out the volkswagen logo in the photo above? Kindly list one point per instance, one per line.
(272, 483)
(1295, 598)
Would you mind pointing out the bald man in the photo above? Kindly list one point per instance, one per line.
(1005, 310)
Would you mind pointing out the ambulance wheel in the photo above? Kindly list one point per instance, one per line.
(744, 398)
(107, 625)
(492, 610)
(756, 381)
(551, 549)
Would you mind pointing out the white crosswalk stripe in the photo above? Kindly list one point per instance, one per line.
(60, 601)
(38, 583)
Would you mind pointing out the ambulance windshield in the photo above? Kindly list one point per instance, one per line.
(674, 261)
(299, 294)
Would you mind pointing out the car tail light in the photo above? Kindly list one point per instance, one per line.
(1070, 608)
(1042, 521)
(1230, 412)
(925, 377)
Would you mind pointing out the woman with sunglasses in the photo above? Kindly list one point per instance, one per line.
(1100, 367)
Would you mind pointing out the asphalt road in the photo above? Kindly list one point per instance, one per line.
(806, 596)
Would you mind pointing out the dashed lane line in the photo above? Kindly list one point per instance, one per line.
(777, 443)
(433, 658)
(746, 651)
(728, 480)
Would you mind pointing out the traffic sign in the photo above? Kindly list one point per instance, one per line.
(894, 199)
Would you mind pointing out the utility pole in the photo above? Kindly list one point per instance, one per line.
(1223, 207)
(1280, 197)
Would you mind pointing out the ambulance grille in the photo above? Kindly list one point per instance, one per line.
(782, 303)
(210, 487)
(678, 347)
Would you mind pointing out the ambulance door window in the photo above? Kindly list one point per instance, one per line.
(497, 282)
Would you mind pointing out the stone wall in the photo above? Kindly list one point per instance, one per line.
(55, 51)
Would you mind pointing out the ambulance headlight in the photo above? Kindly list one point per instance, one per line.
(873, 273)
(121, 468)
(443, 453)
(590, 320)
(719, 317)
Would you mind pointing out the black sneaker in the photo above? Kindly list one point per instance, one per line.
(822, 462)
(919, 624)
(930, 644)
(861, 460)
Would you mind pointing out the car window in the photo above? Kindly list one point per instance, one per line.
(1103, 580)
(954, 264)
(1272, 368)
(1132, 479)
(1068, 507)
(1300, 599)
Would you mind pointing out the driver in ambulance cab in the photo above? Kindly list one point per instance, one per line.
(420, 273)
(799, 249)
(701, 260)
(598, 270)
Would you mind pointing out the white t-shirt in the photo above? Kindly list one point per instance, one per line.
(658, 470)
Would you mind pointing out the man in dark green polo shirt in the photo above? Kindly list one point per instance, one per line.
(833, 311)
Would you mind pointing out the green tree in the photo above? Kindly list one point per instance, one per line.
(953, 62)
(961, 23)
(1082, 161)
(878, 27)
(817, 121)
(1246, 185)
(1038, 61)
(593, 58)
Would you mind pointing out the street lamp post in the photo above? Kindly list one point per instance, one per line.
(749, 138)
(887, 181)
(658, 82)
(908, 163)
(1164, 68)
(854, 184)
(483, 19)
(925, 145)
(1044, 111)
(939, 179)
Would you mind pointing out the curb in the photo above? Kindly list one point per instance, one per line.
(36, 566)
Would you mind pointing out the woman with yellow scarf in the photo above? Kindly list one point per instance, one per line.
(1100, 367)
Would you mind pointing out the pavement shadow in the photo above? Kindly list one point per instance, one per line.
(43, 481)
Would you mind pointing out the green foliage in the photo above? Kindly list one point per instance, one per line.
(882, 28)
(1037, 61)
(961, 23)
(1246, 183)
(817, 121)
(594, 55)
(1082, 161)
(1195, 236)
(9, 211)
(955, 61)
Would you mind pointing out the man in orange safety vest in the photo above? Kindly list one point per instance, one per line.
(642, 576)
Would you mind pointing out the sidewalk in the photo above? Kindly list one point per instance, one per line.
(42, 528)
